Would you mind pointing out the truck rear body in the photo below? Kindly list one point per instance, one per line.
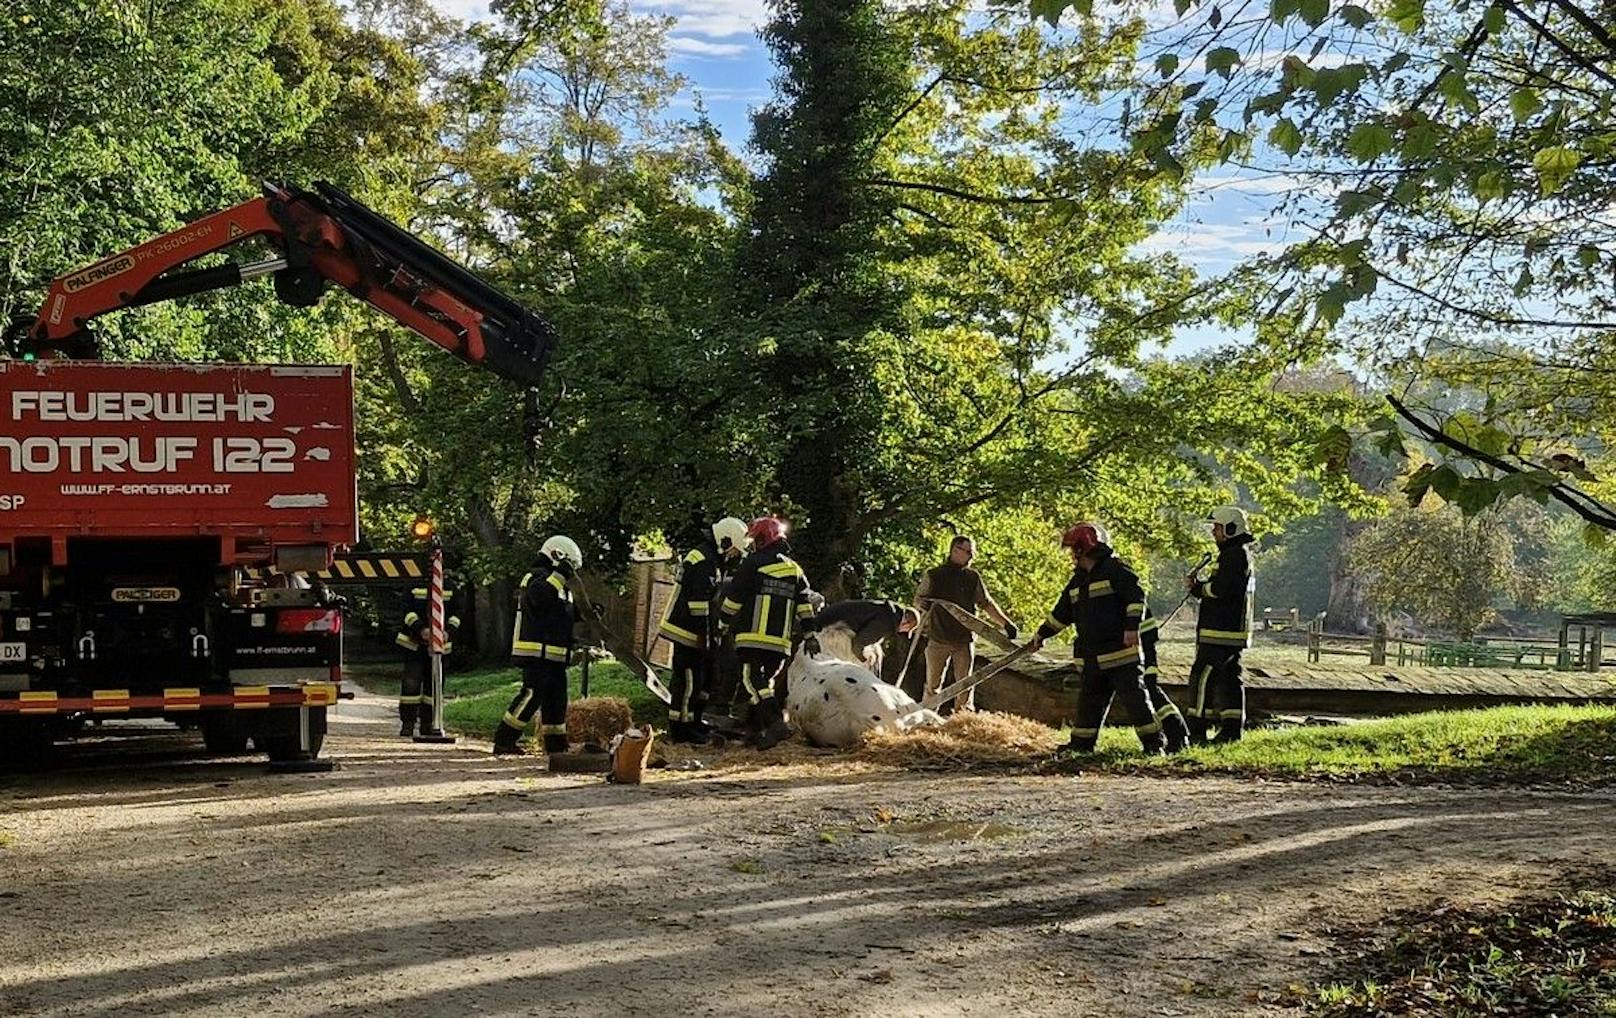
(134, 501)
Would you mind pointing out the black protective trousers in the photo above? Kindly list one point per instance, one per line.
(763, 685)
(1175, 731)
(543, 692)
(1095, 691)
(692, 678)
(415, 694)
(1217, 696)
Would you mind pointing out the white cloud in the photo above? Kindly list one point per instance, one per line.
(1209, 243)
(465, 10)
(714, 19)
(687, 46)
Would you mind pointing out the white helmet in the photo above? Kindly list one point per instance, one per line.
(1233, 519)
(560, 549)
(729, 533)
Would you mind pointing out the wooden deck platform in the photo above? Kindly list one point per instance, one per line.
(1038, 688)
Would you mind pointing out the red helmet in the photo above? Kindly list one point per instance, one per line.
(765, 530)
(1085, 537)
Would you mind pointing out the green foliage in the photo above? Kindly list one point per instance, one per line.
(1452, 571)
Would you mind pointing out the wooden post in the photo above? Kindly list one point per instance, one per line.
(1562, 660)
(1596, 649)
(1377, 649)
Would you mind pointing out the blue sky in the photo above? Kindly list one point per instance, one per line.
(714, 45)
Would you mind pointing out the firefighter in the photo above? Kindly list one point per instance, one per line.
(1174, 730)
(1223, 631)
(1105, 602)
(541, 644)
(688, 624)
(867, 625)
(763, 603)
(415, 638)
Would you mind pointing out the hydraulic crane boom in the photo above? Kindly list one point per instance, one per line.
(321, 236)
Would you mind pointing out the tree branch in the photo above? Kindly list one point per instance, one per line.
(1580, 502)
(952, 192)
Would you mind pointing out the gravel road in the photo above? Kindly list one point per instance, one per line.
(436, 880)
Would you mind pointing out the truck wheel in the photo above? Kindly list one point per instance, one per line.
(223, 738)
(25, 744)
(285, 748)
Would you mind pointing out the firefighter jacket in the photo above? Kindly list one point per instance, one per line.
(767, 597)
(545, 616)
(414, 634)
(1226, 596)
(689, 614)
(1103, 603)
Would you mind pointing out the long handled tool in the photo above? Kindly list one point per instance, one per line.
(1194, 573)
(625, 652)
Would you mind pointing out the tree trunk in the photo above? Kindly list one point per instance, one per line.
(493, 613)
(1348, 609)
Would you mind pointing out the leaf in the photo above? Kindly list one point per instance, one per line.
(1180, 6)
(1281, 10)
(1369, 142)
(1453, 87)
(1418, 485)
(1050, 10)
(1523, 102)
(1445, 482)
(1587, 256)
(1475, 494)
(1314, 11)
(1408, 15)
(1524, 281)
(1333, 448)
(1355, 16)
(1554, 166)
(1594, 536)
(1215, 18)
(1421, 141)
(1286, 136)
(1354, 203)
(1222, 60)
(1166, 64)
(1390, 444)
(1494, 20)
(1490, 185)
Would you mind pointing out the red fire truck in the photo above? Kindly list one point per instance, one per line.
(137, 501)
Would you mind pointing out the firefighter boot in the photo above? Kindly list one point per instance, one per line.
(1231, 729)
(775, 732)
(1197, 730)
(407, 713)
(554, 743)
(505, 741)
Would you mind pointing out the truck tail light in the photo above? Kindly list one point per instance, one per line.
(309, 620)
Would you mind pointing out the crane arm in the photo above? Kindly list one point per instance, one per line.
(323, 236)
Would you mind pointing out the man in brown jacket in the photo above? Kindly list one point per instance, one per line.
(949, 644)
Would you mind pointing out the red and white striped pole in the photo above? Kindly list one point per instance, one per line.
(435, 645)
(436, 604)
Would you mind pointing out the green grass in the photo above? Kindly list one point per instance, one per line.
(474, 701)
(1512, 744)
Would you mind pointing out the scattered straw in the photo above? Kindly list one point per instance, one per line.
(597, 719)
(964, 739)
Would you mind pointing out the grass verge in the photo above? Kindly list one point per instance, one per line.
(1548, 955)
(1516, 745)
(474, 701)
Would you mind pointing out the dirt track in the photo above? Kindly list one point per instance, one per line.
(438, 881)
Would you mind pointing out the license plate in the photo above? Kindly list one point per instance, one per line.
(13, 652)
